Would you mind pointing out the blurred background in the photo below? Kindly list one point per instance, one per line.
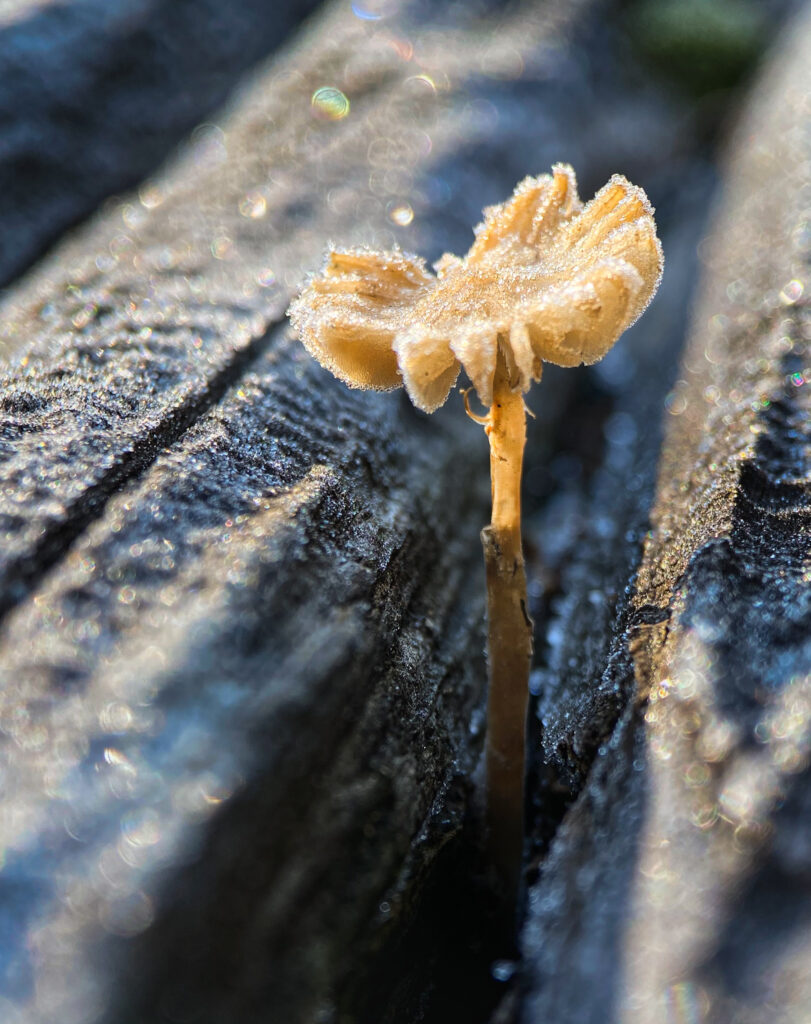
(95, 94)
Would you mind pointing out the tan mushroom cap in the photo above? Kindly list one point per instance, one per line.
(552, 280)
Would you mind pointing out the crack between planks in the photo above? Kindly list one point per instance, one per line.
(27, 570)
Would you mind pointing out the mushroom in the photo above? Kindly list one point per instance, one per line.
(546, 280)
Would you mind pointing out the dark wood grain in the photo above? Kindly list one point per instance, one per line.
(242, 607)
(677, 881)
(242, 639)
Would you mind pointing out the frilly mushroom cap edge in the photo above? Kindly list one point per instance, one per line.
(550, 279)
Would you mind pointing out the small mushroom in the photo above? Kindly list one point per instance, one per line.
(546, 280)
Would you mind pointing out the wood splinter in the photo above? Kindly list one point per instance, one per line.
(546, 279)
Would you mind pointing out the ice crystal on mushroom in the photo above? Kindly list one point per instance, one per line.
(551, 279)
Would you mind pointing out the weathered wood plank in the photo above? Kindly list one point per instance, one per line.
(677, 882)
(242, 642)
(246, 644)
(146, 310)
(220, 566)
(95, 94)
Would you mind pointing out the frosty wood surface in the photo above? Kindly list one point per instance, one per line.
(677, 883)
(241, 638)
(219, 566)
(95, 93)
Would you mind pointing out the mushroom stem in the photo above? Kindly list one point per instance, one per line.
(509, 631)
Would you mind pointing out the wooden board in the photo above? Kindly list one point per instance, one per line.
(676, 885)
(242, 641)
(93, 95)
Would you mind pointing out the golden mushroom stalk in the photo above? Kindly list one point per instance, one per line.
(509, 627)
(546, 279)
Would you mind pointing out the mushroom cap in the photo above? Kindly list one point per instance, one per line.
(547, 278)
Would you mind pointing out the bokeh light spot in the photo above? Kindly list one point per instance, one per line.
(330, 103)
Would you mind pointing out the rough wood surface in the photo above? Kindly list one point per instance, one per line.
(241, 641)
(94, 94)
(242, 607)
(676, 887)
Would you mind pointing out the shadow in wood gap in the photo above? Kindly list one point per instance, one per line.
(452, 957)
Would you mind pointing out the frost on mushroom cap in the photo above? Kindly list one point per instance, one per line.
(551, 279)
